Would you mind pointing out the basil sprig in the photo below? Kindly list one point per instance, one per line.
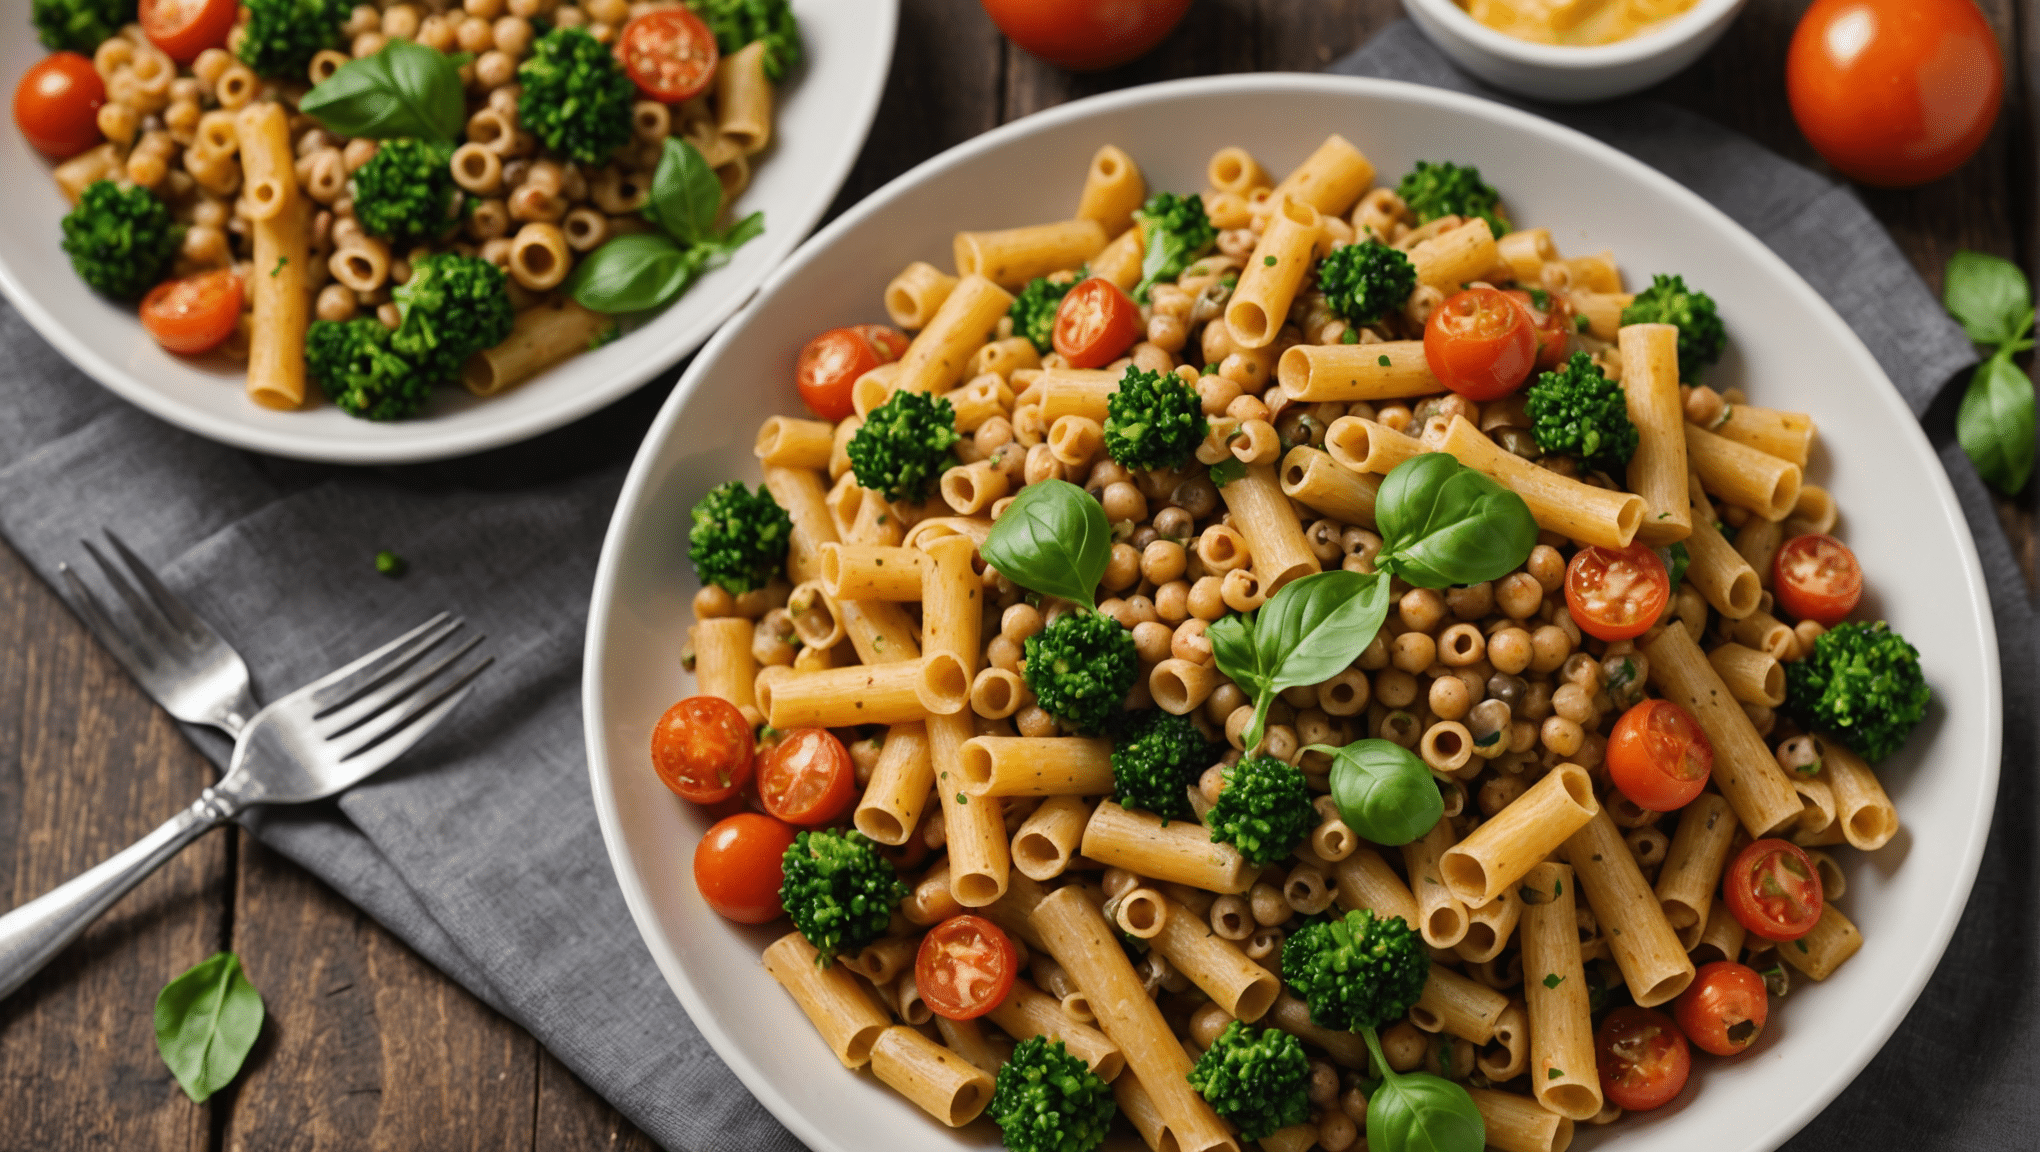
(1419, 1112)
(1443, 523)
(1052, 539)
(1305, 634)
(1384, 792)
(206, 1024)
(646, 270)
(1995, 423)
(406, 89)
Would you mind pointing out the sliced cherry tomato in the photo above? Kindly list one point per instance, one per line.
(1724, 1009)
(1659, 756)
(1095, 324)
(739, 866)
(1894, 92)
(830, 364)
(1773, 889)
(1086, 35)
(1616, 593)
(1551, 324)
(57, 103)
(808, 778)
(195, 314)
(668, 53)
(184, 28)
(1642, 1057)
(1480, 344)
(1817, 578)
(965, 967)
(702, 749)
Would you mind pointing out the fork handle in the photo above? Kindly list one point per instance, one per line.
(31, 935)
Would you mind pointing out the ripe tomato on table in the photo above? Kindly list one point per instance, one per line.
(57, 104)
(184, 28)
(1095, 324)
(1086, 35)
(1724, 1009)
(1480, 343)
(702, 749)
(830, 364)
(965, 967)
(807, 778)
(668, 53)
(195, 314)
(1773, 890)
(1658, 756)
(739, 866)
(1616, 593)
(1817, 578)
(1642, 1057)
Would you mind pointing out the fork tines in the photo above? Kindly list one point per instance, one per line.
(393, 689)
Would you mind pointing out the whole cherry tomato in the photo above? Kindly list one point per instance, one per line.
(702, 749)
(1894, 92)
(1551, 322)
(57, 103)
(195, 314)
(1724, 1009)
(184, 28)
(1774, 890)
(1659, 756)
(830, 364)
(1817, 578)
(739, 866)
(1086, 35)
(807, 778)
(1480, 343)
(1095, 324)
(1616, 593)
(668, 53)
(965, 967)
(1642, 1057)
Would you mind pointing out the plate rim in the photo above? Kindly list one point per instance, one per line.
(1890, 1013)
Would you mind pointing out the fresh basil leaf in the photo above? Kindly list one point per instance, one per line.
(686, 196)
(1384, 792)
(406, 89)
(1304, 634)
(1988, 295)
(1995, 423)
(206, 1023)
(633, 273)
(1443, 524)
(1052, 539)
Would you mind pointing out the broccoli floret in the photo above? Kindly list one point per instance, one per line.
(1364, 282)
(1034, 309)
(120, 240)
(904, 445)
(739, 539)
(1861, 685)
(453, 306)
(361, 373)
(1173, 231)
(1153, 421)
(1669, 301)
(405, 191)
(1256, 1078)
(738, 22)
(576, 97)
(1264, 811)
(1046, 1100)
(1081, 667)
(79, 25)
(839, 891)
(1579, 412)
(1356, 971)
(281, 36)
(1156, 756)
(1447, 189)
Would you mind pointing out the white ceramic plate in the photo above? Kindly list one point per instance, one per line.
(825, 111)
(1786, 346)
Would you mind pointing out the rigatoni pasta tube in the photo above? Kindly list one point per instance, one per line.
(833, 1000)
(268, 165)
(1559, 504)
(1441, 917)
(800, 492)
(1453, 257)
(871, 572)
(723, 664)
(1528, 829)
(1744, 769)
(1452, 1003)
(1862, 807)
(1489, 928)
(1179, 686)
(896, 693)
(1215, 964)
(980, 860)
(943, 1083)
(1366, 881)
(1314, 479)
(883, 633)
(1563, 1075)
(1085, 392)
(1047, 840)
(1292, 1015)
(1721, 938)
(794, 443)
(934, 361)
(1765, 633)
(1181, 850)
(1234, 169)
(1389, 370)
(743, 99)
(1657, 470)
(1693, 863)
(281, 309)
(1120, 261)
(1743, 476)
(1520, 1124)
(914, 296)
(952, 602)
(1834, 938)
(1028, 1011)
(967, 1039)
(1268, 284)
(1786, 435)
(540, 337)
(1751, 676)
(1719, 572)
(1652, 960)
(1366, 446)
(1011, 257)
(1113, 188)
(1036, 766)
(1275, 540)
(1331, 178)
(891, 806)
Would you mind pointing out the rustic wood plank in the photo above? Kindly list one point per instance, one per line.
(1306, 35)
(88, 765)
(1215, 36)
(571, 1116)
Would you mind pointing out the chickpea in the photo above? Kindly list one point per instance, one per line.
(1033, 720)
(1422, 609)
(1153, 641)
(1216, 394)
(1123, 570)
(336, 302)
(1449, 698)
(1020, 621)
(1561, 735)
(1549, 646)
(1412, 652)
(1510, 650)
(1207, 598)
(1222, 702)
(1574, 703)
(1123, 501)
(1163, 561)
(1172, 601)
(513, 36)
(713, 602)
(1005, 652)
(1189, 642)
(1395, 688)
(1519, 595)
(1546, 566)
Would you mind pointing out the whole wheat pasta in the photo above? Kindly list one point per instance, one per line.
(1818, 815)
(1180, 850)
(1488, 862)
(800, 492)
(281, 311)
(942, 1083)
(871, 572)
(835, 1003)
(1441, 916)
(1179, 686)
(1120, 260)
(1311, 477)
(890, 809)
(896, 693)
(882, 960)
(1862, 807)
(1388, 370)
(1652, 960)
(1085, 392)
(1744, 769)
(1519, 1123)
(1452, 1003)
(1011, 257)
(1751, 676)
(934, 361)
(1765, 633)
(1490, 927)
(1834, 939)
(1512, 1038)
(1273, 273)
(1742, 475)
(875, 387)
(1657, 471)
(883, 633)
(1364, 880)
(1563, 1076)
(1293, 1016)
(1814, 512)
(743, 99)
(1721, 938)
(1035, 766)
(1786, 435)
(1757, 543)
(723, 664)
(1330, 179)
(1692, 868)
(540, 337)
(1113, 188)
(914, 296)
(980, 860)
(973, 488)
(1028, 1011)
(791, 443)
(1235, 170)
(1366, 446)
(997, 693)
(1261, 514)
(1047, 841)
(1718, 571)
(1559, 504)
(1453, 257)
(952, 602)
(1241, 987)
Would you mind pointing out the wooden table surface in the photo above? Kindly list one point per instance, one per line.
(368, 1047)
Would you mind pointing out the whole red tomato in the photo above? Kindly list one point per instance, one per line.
(1086, 35)
(56, 105)
(1894, 92)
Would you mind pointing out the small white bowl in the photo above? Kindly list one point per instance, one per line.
(1571, 75)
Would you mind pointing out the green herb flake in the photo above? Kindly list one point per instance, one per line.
(962, 799)
(390, 564)
(1382, 360)
(1350, 336)
(1553, 980)
(1268, 261)
(1554, 1073)
(280, 262)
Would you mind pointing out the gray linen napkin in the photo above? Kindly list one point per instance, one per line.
(481, 849)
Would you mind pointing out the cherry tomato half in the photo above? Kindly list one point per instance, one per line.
(1616, 593)
(184, 28)
(1774, 890)
(1095, 324)
(830, 364)
(965, 967)
(1724, 1009)
(1894, 92)
(1086, 35)
(57, 103)
(1817, 578)
(195, 314)
(1659, 756)
(1480, 344)
(739, 866)
(668, 53)
(1550, 324)
(1642, 1057)
(807, 778)
(702, 749)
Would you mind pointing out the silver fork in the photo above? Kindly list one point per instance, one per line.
(318, 741)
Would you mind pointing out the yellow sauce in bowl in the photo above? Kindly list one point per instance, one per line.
(1577, 23)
